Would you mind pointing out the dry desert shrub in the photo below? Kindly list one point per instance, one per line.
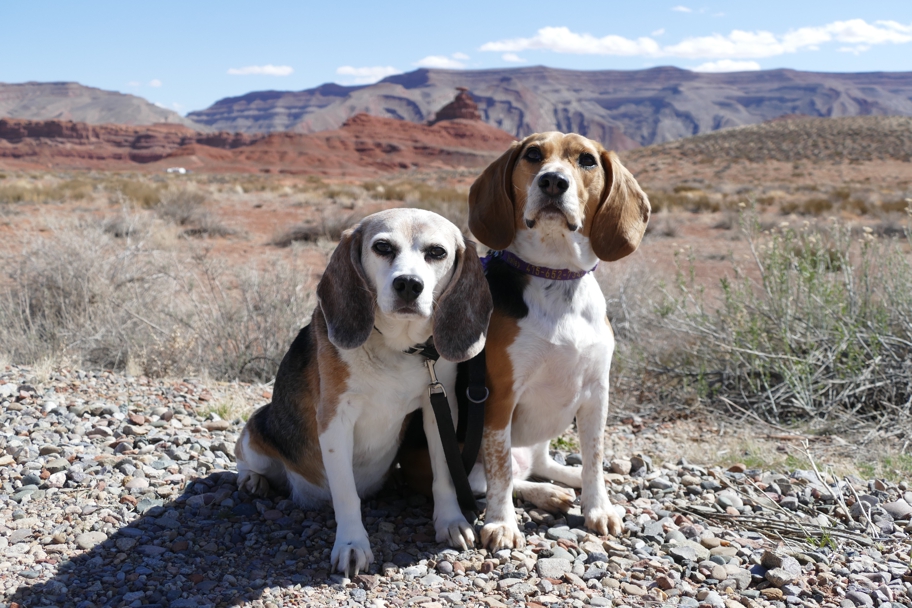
(688, 198)
(825, 333)
(44, 191)
(445, 200)
(136, 189)
(106, 302)
(329, 227)
(184, 207)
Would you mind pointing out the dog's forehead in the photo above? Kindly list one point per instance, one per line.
(554, 143)
(415, 226)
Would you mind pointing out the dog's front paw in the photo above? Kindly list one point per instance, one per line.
(351, 553)
(456, 531)
(502, 535)
(603, 521)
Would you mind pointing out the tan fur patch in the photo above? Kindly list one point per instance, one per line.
(498, 464)
(502, 332)
(333, 375)
(259, 444)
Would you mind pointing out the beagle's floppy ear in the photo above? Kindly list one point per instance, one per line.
(620, 219)
(345, 297)
(491, 211)
(464, 310)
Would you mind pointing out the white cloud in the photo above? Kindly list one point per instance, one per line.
(262, 70)
(134, 83)
(562, 40)
(460, 56)
(727, 65)
(856, 35)
(682, 9)
(177, 106)
(741, 44)
(658, 32)
(439, 61)
(367, 75)
(512, 58)
(155, 83)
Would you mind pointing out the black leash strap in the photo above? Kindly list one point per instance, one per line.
(456, 462)
(477, 394)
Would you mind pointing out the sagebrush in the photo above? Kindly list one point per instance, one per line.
(116, 302)
(818, 327)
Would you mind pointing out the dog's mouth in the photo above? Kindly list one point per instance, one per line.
(408, 310)
(552, 211)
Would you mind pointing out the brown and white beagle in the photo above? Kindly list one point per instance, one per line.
(554, 204)
(346, 386)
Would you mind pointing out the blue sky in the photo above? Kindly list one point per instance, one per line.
(186, 55)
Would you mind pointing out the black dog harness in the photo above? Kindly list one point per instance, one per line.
(460, 465)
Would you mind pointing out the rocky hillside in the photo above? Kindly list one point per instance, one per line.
(362, 145)
(73, 101)
(849, 139)
(622, 109)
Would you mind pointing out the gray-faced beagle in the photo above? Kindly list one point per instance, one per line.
(346, 385)
(555, 205)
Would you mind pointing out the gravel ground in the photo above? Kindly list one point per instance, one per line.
(120, 491)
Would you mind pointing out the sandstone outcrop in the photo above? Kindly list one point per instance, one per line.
(363, 145)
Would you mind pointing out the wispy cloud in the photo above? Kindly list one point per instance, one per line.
(460, 56)
(658, 32)
(155, 83)
(562, 40)
(682, 9)
(727, 65)
(512, 58)
(134, 83)
(366, 75)
(856, 35)
(262, 70)
(441, 62)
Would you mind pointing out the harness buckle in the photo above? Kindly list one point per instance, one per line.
(434, 387)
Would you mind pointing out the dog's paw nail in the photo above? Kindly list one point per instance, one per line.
(501, 536)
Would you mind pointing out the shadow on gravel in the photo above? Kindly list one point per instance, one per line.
(213, 546)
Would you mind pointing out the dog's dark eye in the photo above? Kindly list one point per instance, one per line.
(587, 160)
(383, 248)
(436, 253)
(534, 155)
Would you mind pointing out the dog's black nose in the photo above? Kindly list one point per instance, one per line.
(408, 287)
(553, 183)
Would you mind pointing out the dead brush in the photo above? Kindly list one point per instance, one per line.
(448, 201)
(45, 191)
(329, 227)
(82, 295)
(184, 206)
(825, 334)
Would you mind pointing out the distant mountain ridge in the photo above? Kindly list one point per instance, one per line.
(622, 109)
(77, 102)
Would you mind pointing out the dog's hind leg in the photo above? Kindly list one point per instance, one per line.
(258, 474)
(545, 496)
(544, 467)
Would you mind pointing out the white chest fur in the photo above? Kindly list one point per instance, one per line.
(561, 357)
(384, 387)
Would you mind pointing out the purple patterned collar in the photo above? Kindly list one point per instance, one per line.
(554, 274)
